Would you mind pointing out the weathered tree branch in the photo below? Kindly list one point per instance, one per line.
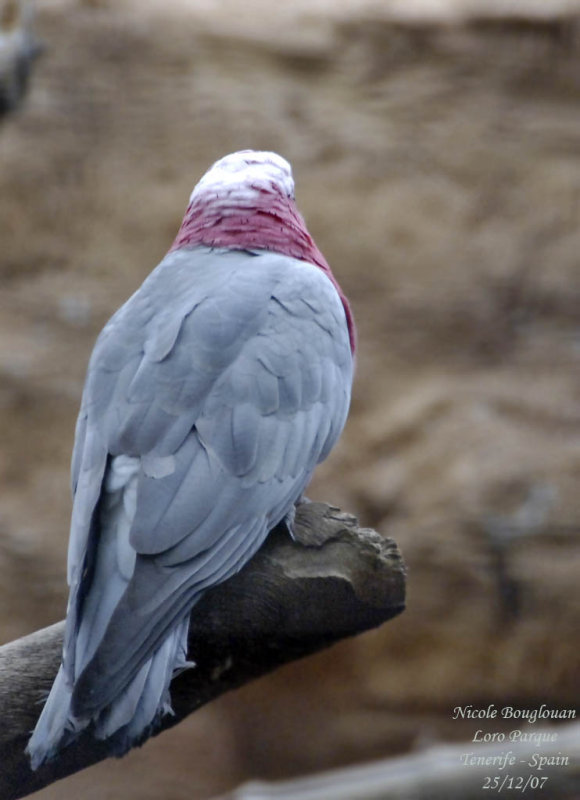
(293, 598)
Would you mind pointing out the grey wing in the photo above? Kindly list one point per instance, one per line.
(225, 416)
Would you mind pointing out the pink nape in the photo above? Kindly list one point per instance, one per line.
(270, 222)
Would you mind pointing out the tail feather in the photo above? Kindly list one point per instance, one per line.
(128, 716)
(146, 699)
(127, 720)
(55, 728)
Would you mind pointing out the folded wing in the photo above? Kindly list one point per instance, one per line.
(211, 396)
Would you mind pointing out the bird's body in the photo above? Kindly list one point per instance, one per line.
(210, 397)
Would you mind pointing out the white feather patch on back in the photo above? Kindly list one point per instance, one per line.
(122, 470)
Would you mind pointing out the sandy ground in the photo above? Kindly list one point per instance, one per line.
(438, 167)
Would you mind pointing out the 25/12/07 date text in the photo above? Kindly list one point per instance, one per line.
(517, 783)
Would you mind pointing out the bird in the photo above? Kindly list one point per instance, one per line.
(19, 49)
(210, 397)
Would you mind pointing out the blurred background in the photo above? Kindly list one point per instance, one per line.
(436, 152)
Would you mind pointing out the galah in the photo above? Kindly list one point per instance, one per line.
(19, 48)
(210, 397)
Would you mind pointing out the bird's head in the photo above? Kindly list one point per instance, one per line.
(245, 201)
(241, 176)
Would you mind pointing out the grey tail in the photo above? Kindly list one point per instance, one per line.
(128, 720)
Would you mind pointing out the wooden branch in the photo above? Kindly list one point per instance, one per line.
(295, 597)
(439, 773)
